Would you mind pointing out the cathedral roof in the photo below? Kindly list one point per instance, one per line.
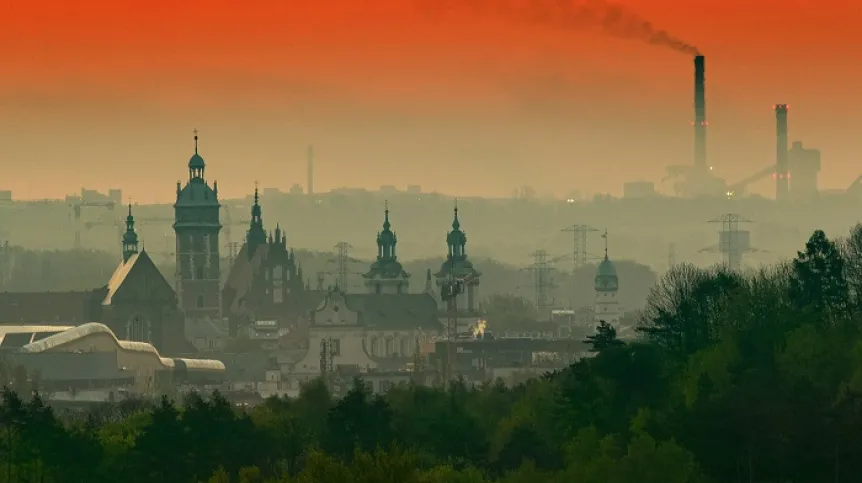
(388, 311)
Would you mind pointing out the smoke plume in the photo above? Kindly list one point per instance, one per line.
(612, 19)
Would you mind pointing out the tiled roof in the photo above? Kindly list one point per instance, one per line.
(395, 311)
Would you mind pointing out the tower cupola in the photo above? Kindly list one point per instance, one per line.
(196, 163)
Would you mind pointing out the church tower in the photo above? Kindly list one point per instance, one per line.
(607, 284)
(457, 266)
(386, 275)
(130, 237)
(197, 226)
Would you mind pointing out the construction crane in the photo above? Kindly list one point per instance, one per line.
(449, 292)
(77, 207)
(120, 225)
(227, 222)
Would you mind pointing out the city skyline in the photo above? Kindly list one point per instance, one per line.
(468, 104)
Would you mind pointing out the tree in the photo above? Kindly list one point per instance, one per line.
(818, 283)
(359, 421)
(683, 312)
(604, 338)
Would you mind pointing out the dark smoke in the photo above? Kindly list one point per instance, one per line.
(612, 19)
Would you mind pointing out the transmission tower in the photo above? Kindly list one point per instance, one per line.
(541, 272)
(342, 262)
(579, 244)
(732, 242)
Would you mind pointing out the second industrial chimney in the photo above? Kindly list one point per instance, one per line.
(782, 173)
(700, 114)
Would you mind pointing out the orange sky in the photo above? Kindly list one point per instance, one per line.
(106, 93)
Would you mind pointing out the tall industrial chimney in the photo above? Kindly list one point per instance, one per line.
(700, 123)
(782, 174)
(310, 186)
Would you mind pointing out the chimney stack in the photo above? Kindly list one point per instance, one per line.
(782, 174)
(700, 123)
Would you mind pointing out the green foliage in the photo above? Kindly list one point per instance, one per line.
(752, 377)
(604, 338)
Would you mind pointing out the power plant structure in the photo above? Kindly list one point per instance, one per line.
(795, 171)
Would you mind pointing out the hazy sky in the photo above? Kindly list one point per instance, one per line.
(472, 100)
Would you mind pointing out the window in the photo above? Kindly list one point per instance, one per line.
(335, 348)
(200, 301)
(138, 329)
(405, 347)
(378, 288)
(277, 295)
(375, 349)
(199, 274)
(390, 346)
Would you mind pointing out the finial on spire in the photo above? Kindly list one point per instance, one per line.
(195, 130)
(386, 223)
(456, 225)
(256, 195)
(605, 236)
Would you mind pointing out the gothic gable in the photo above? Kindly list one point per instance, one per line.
(139, 280)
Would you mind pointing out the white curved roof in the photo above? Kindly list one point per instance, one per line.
(91, 328)
(203, 364)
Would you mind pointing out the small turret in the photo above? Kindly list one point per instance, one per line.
(130, 237)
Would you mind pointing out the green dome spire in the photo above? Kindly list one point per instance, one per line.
(130, 237)
(606, 273)
(386, 239)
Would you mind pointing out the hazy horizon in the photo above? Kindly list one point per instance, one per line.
(468, 104)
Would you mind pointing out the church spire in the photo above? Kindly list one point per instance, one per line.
(456, 239)
(386, 239)
(605, 236)
(256, 235)
(130, 237)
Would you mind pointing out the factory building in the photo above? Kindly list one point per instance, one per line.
(804, 169)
